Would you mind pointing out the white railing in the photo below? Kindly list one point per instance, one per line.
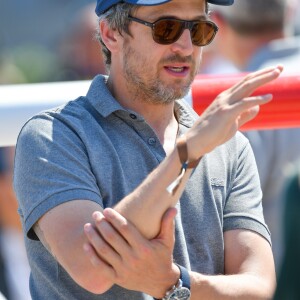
(21, 101)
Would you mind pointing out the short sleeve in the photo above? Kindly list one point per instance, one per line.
(243, 207)
(51, 167)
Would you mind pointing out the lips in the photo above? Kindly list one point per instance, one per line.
(178, 70)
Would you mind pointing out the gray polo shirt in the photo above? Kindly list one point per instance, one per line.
(94, 149)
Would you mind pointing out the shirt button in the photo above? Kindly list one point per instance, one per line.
(133, 116)
(151, 141)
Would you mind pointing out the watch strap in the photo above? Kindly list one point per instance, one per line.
(185, 277)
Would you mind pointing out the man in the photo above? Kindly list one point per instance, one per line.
(255, 34)
(124, 154)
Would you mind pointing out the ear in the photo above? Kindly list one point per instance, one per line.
(110, 37)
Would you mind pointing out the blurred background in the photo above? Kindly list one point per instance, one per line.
(48, 41)
(43, 41)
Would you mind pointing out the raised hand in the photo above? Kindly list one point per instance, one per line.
(229, 111)
(118, 249)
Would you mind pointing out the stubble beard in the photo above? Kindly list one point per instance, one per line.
(150, 88)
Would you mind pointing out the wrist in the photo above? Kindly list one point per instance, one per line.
(186, 163)
(172, 281)
(184, 153)
(195, 149)
(182, 289)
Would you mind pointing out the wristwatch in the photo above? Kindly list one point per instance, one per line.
(180, 291)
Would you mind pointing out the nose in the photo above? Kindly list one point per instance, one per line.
(184, 44)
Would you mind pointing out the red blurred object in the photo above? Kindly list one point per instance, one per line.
(282, 112)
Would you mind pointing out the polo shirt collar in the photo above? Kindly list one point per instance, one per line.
(102, 99)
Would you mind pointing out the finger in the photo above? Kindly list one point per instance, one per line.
(97, 262)
(249, 107)
(124, 227)
(254, 75)
(264, 71)
(167, 227)
(248, 115)
(110, 235)
(251, 82)
(247, 103)
(103, 250)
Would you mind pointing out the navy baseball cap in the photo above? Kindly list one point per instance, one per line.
(103, 5)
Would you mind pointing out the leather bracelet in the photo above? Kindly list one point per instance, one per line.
(183, 153)
(185, 163)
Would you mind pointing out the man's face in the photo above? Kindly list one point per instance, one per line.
(161, 73)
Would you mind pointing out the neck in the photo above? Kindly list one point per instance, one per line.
(160, 117)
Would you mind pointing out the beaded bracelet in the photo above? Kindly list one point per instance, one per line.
(185, 164)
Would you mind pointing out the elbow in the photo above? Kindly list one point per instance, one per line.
(270, 291)
(270, 286)
(265, 288)
(98, 288)
(94, 284)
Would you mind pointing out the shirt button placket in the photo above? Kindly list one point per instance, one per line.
(151, 141)
(133, 116)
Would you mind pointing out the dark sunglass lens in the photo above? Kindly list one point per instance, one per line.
(166, 31)
(203, 33)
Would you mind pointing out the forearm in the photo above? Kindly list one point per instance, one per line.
(146, 205)
(240, 286)
(61, 231)
(249, 270)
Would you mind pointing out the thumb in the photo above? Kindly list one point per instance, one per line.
(167, 227)
(248, 115)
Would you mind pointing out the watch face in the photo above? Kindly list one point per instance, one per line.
(181, 294)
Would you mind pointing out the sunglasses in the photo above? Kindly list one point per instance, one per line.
(166, 31)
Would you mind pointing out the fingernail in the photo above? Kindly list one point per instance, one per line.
(87, 227)
(97, 215)
(267, 97)
(107, 212)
